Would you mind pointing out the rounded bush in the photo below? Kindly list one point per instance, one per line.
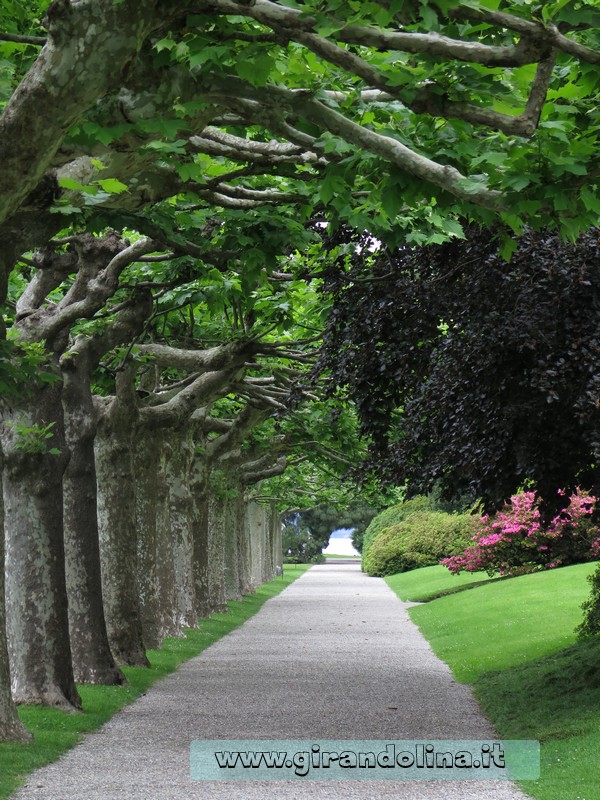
(422, 539)
(392, 516)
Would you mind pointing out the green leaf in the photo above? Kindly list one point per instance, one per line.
(331, 186)
(255, 68)
(74, 186)
(517, 182)
(590, 200)
(65, 209)
(473, 184)
(177, 146)
(392, 199)
(453, 228)
(164, 44)
(113, 186)
(508, 246)
(429, 17)
(514, 222)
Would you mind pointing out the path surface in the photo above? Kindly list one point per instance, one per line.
(334, 656)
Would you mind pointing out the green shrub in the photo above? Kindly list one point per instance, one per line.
(392, 516)
(591, 607)
(421, 539)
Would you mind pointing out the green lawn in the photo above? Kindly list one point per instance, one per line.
(56, 731)
(513, 640)
(335, 555)
(421, 585)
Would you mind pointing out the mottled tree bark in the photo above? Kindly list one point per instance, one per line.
(11, 727)
(36, 597)
(200, 547)
(72, 72)
(270, 527)
(93, 661)
(277, 541)
(243, 546)
(156, 571)
(256, 535)
(216, 552)
(181, 509)
(117, 526)
(231, 541)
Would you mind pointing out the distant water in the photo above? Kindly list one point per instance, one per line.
(341, 546)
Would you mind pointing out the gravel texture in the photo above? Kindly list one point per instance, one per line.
(334, 656)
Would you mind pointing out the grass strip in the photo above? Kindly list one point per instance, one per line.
(56, 731)
(336, 555)
(514, 641)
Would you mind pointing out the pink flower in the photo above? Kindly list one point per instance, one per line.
(514, 542)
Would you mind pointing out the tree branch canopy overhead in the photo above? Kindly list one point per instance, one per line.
(394, 117)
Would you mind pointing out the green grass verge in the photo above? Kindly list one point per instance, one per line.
(335, 555)
(422, 585)
(56, 731)
(514, 641)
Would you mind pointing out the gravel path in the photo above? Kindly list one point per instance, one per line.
(334, 656)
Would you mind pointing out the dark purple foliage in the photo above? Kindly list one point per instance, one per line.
(469, 373)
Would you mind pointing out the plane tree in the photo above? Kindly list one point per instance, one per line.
(226, 133)
(153, 371)
(397, 116)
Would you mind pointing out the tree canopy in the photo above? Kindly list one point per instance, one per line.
(393, 116)
(169, 171)
(469, 373)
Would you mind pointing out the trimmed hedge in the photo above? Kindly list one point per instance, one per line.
(421, 539)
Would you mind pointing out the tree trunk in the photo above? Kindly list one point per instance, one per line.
(277, 552)
(36, 597)
(231, 551)
(155, 546)
(244, 560)
(93, 661)
(200, 547)
(181, 509)
(216, 552)
(11, 727)
(271, 521)
(256, 536)
(118, 533)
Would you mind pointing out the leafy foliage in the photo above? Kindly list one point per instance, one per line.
(393, 516)
(590, 625)
(420, 540)
(516, 541)
(322, 520)
(300, 545)
(470, 373)
(33, 439)
(22, 366)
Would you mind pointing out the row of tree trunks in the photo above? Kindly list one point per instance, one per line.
(196, 546)
(116, 536)
(93, 661)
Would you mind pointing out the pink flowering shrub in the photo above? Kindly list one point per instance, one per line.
(514, 541)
